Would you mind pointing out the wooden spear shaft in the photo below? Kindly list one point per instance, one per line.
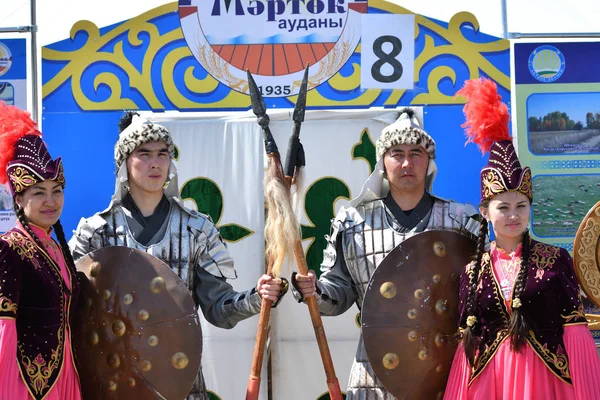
(259, 349)
(259, 109)
(313, 308)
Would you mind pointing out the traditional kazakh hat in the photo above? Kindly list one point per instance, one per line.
(23, 154)
(407, 129)
(135, 131)
(486, 125)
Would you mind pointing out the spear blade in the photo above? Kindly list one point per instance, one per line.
(259, 109)
(300, 108)
(295, 153)
(256, 100)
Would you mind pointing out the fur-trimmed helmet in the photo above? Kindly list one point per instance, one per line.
(406, 130)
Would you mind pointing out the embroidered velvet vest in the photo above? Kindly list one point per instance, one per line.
(33, 293)
(550, 300)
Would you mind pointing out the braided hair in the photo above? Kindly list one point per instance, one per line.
(62, 240)
(519, 324)
(468, 335)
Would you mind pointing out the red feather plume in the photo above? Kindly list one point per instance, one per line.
(486, 115)
(14, 124)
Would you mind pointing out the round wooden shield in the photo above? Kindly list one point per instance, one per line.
(410, 311)
(586, 254)
(137, 334)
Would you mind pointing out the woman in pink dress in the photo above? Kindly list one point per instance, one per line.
(523, 327)
(38, 281)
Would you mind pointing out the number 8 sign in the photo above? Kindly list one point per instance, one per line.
(387, 51)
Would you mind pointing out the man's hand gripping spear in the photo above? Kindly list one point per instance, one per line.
(282, 233)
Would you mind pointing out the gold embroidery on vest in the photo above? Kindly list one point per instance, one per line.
(23, 247)
(39, 371)
(576, 314)
(6, 305)
(559, 361)
(544, 256)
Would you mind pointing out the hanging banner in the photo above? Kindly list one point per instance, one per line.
(13, 91)
(274, 40)
(558, 125)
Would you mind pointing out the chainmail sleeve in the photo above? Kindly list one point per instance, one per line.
(221, 305)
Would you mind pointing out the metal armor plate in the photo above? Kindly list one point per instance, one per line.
(137, 334)
(410, 311)
(586, 254)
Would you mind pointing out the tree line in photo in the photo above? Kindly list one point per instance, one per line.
(560, 121)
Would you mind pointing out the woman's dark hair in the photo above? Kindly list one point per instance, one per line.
(519, 325)
(468, 335)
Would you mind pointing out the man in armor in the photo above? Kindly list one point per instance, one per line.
(147, 214)
(394, 205)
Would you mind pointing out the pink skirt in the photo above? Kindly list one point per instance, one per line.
(524, 376)
(12, 386)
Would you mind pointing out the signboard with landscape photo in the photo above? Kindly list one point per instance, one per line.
(561, 202)
(557, 109)
(564, 123)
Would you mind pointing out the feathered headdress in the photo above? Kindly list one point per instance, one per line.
(23, 154)
(486, 115)
(486, 125)
(14, 124)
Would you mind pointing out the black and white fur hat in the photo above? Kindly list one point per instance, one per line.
(406, 130)
(135, 131)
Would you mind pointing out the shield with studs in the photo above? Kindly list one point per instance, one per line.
(137, 333)
(586, 254)
(410, 311)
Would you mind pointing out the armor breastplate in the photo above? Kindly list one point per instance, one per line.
(368, 235)
(366, 245)
(175, 248)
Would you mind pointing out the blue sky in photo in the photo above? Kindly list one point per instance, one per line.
(576, 105)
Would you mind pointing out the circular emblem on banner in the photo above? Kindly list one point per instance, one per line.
(273, 39)
(5, 59)
(546, 63)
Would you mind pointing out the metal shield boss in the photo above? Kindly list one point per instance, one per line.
(137, 333)
(410, 311)
(586, 254)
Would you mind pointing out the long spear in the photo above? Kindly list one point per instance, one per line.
(282, 233)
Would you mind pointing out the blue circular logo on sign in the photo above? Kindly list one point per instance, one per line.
(546, 63)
